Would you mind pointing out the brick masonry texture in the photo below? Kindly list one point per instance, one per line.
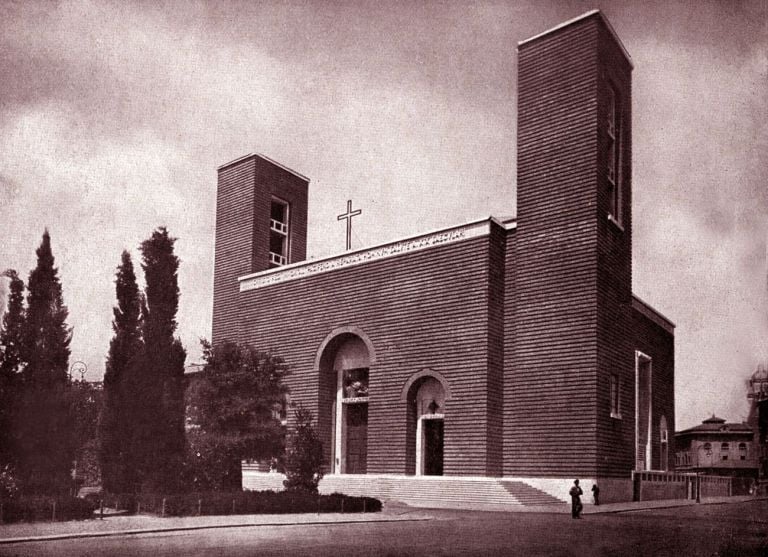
(526, 325)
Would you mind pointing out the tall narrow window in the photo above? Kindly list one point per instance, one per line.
(278, 233)
(615, 396)
(664, 438)
(613, 155)
(742, 451)
(724, 448)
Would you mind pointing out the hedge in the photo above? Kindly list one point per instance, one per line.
(42, 508)
(242, 502)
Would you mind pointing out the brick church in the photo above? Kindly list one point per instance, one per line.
(502, 348)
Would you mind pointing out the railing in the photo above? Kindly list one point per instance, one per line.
(650, 486)
(277, 259)
(279, 227)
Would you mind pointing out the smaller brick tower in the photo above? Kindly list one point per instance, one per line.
(261, 223)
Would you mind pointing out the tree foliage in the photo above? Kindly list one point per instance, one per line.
(10, 362)
(45, 335)
(44, 443)
(304, 458)
(156, 391)
(118, 470)
(12, 327)
(233, 413)
(85, 403)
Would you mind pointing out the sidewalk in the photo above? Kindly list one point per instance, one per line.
(664, 504)
(120, 525)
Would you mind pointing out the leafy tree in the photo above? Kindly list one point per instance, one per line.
(8, 485)
(118, 469)
(233, 413)
(12, 327)
(85, 404)
(43, 431)
(160, 440)
(304, 458)
(10, 361)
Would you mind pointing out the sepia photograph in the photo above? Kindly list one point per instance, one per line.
(394, 278)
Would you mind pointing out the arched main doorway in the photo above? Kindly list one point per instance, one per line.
(426, 412)
(344, 378)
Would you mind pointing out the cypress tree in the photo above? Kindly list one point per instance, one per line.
(10, 362)
(118, 471)
(44, 433)
(46, 336)
(161, 381)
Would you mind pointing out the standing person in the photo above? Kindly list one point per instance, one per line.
(596, 493)
(576, 493)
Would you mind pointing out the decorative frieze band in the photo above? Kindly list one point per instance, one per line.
(307, 268)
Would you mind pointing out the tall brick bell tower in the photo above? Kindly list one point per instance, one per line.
(573, 256)
(261, 223)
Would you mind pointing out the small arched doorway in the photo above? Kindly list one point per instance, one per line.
(426, 409)
(664, 444)
(344, 378)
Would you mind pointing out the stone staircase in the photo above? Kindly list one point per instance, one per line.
(426, 491)
(529, 495)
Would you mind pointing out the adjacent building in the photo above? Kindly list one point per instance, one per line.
(717, 448)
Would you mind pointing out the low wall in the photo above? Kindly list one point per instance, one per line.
(612, 490)
(654, 486)
(716, 486)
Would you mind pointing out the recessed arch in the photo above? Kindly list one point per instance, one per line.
(343, 363)
(426, 372)
(340, 332)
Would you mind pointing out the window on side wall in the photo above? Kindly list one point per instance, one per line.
(613, 128)
(615, 397)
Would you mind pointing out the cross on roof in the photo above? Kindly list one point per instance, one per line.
(348, 215)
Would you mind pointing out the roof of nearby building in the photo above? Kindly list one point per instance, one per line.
(715, 425)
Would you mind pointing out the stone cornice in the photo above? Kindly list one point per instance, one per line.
(303, 269)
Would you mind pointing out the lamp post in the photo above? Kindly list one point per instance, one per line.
(78, 367)
(708, 452)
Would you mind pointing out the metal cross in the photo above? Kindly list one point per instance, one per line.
(348, 215)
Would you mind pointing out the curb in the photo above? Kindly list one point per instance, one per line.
(110, 533)
(674, 505)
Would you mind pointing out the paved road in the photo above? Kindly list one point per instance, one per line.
(701, 530)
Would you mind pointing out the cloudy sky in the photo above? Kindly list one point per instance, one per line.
(114, 117)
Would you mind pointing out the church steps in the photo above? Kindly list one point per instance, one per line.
(437, 492)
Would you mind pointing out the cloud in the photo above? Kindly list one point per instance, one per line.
(114, 117)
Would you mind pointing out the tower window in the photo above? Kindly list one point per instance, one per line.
(613, 127)
(278, 233)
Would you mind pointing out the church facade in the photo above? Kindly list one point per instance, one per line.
(498, 348)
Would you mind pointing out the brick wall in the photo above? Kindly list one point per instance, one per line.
(426, 309)
(551, 425)
(244, 193)
(658, 343)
